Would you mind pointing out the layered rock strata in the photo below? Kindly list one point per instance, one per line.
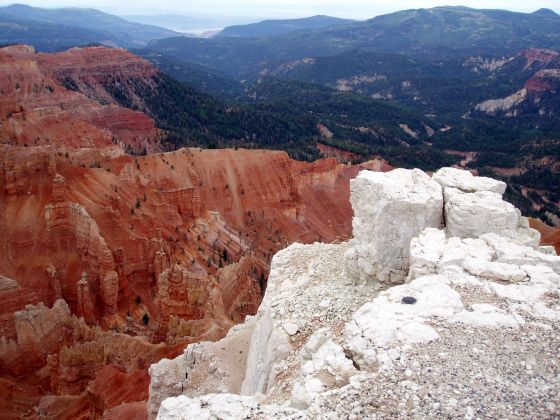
(164, 250)
(475, 319)
(36, 108)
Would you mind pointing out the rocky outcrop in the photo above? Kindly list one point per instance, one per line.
(88, 68)
(471, 309)
(72, 222)
(37, 336)
(188, 296)
(14, 298)
(389, 210)
(203, 368)
(539, 94)
(466, 182)
(474, 206)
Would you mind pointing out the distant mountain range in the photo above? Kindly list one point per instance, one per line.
(438, 33)
(272, 28)
(53, 29)
(482, 84)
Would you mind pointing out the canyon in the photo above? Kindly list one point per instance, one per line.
(116, 254)
(110, 261)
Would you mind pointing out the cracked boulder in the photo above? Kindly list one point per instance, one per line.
(389, 210)
(467, 182)
(473, 214)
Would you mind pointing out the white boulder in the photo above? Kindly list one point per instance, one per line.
(388, 323)
(465, 181)
(324, 366)
(389, 210)
(491, 257)
(223, 406)
(471, 215)
(166, 377)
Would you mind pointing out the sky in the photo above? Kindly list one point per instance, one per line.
(355, 9)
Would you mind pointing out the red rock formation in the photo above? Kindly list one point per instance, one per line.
(546, 63)
(549, 235)
(38, 335)
(18, 399)
(129, 411)
(109, 262)
(539, 57)
(543, 81)
(88, 69)
(13, 299)
(131, 387)
(174, 247)
(36, 110)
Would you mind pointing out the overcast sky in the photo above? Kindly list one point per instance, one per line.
(357, 9)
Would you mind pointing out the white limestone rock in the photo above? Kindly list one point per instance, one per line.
(270, 341)
(496, 271)
(389, 210)
(432, 253)
(223, 406)
(203, 368)
(547, 249)
(465, 181)
(425, 253)
(491, 257)
(306, 287)
(291, 328)
(269, 344)
(510, 252)
(166, 377)
(388, 323)
(471, 215)
(324, 366)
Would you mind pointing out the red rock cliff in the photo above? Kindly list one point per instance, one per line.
(35, 109)
(110, 262)
(173, 247)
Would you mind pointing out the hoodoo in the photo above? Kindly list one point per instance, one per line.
(428, 311)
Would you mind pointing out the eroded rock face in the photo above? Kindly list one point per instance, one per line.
(203, 368)
(14, 298)
(150, 253)
(36, 108)
(37, 336)
(486, 301)
(389, 210)
(102, 238)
